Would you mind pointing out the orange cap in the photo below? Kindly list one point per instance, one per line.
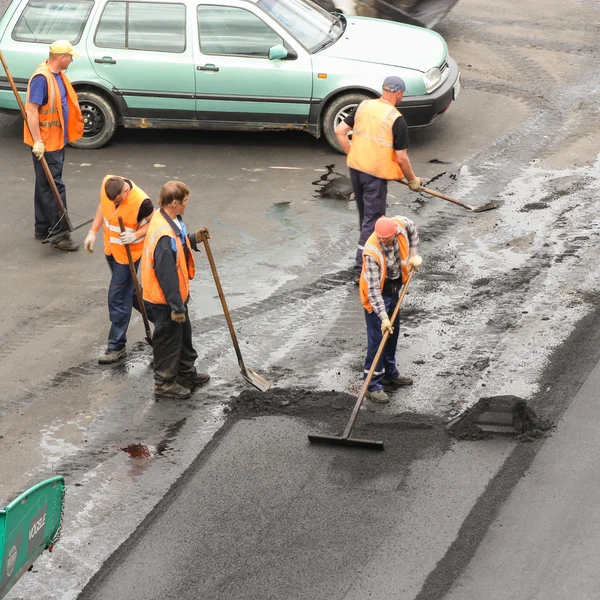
(385, 227)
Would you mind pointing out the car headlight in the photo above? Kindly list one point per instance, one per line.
(432, 79)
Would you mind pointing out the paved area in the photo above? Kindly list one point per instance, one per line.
(499, 295)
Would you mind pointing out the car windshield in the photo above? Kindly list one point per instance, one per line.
(311, 25)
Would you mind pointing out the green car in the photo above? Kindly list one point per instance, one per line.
(224, 64)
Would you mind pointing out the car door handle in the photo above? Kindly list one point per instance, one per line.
(105, 60)
(209, 67)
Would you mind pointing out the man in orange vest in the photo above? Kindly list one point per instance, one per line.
(167, 267)
(378, 154)
(120, 197)
(390, 251)
(54, 118)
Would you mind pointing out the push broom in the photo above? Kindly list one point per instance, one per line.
(345, 439)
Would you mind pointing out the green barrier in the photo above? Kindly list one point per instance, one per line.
(29, 525)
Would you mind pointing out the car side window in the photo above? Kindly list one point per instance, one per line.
(46, 21)
(142, 26)
(234, 31)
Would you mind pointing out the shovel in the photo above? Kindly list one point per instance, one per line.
(62, 211)
(480, 208)
(345, 439)
(260, 383)
(138, 290)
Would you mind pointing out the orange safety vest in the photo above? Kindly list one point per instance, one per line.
(186, 269)
(373, 249)
(52, 124)
(128, 210)
(372, 149)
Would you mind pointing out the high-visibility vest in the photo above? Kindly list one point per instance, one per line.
(373, 249)
(372, 149)
(52, 125)
(128, 210)
(186, 269)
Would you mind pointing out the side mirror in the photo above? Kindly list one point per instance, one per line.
(278, 52)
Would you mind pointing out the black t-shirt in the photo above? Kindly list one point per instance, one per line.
(146, 208)
(399, 130)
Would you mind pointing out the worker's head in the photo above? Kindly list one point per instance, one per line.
(386, 231)
(393, 89)
(61, 55)
(174, 196)
(116, 189)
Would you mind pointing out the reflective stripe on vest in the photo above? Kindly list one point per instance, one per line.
(128, 210)
(52, 125)
(373, 249)
(151, 290)
(372, 149)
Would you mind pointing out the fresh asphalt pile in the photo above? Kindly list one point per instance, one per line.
(329, 411)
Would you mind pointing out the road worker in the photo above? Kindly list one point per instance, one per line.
(167, 267)
(378, 154)
(120, 197)
(54, 118)
(389, 253)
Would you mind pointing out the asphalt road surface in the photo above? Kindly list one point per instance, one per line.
(506, 303)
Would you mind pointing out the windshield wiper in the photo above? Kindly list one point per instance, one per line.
(336, 21)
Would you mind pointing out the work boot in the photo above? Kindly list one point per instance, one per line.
(378, 396)
(66, 244)
(110, 356)
(171, 389)
(193, 379)
(41, 235)
(399, 381)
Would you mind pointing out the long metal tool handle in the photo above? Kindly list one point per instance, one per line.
(213, 268)
(365, 387)
(61, 207)
(440, 195)
(138, 290)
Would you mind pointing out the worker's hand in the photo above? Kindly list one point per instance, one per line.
(386, 327)
(415, 184)
(415, 261)
(90, 240)
(127, 237)
(178, 317)
(199, 232)
(39, 149)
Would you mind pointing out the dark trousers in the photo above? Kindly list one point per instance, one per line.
(386, 367)
(371, 196)
(44, 203)
(174, 353)
(121, 298)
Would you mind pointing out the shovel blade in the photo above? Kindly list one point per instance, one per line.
(260, 383)
(335, 440)
(484, 207)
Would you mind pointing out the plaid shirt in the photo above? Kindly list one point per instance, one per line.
(371, 271)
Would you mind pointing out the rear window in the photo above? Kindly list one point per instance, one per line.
(142, 26)
(48, 21)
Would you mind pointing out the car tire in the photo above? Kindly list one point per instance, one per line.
(336, 111)
(99, 121)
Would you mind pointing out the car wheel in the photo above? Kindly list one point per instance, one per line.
(99, 121)
(336, 112)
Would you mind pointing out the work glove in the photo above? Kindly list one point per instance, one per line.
(39, 149)
(415, 261)
(89, 241)
(127, 237)
(199, 232)
(386, 326)
(178, 317)
(415, 184)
